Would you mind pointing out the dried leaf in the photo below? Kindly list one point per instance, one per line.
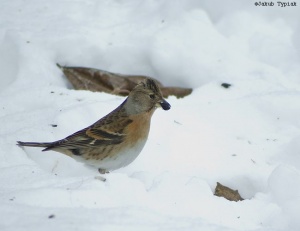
(228, 193)
(103, 81)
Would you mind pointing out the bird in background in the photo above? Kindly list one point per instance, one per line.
(117, 139)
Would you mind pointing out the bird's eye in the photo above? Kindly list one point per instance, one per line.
(152, 96)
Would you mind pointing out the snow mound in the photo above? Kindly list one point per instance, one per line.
(245, 136)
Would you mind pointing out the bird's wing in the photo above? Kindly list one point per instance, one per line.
(107, 131)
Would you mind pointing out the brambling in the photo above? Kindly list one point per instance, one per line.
(117, 139)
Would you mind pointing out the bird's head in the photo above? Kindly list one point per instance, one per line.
(145, 97)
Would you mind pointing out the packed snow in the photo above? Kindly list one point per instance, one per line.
(246, 137)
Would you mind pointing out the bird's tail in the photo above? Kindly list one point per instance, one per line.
(33, 144)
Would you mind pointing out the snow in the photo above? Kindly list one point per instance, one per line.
(245, 137)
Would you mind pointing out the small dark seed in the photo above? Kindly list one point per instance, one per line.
(51, 216)
(226, 85)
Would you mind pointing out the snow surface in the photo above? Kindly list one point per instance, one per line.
(247, 137)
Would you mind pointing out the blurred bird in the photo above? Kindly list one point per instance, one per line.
(118, 138)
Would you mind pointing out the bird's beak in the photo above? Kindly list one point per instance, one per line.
(165, 105)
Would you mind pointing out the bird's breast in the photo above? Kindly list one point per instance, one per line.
(139, 129)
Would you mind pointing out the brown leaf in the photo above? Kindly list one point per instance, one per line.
(228, 193)
(179, 92)
(92, 79)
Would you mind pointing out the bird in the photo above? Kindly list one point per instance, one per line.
(115, 140)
